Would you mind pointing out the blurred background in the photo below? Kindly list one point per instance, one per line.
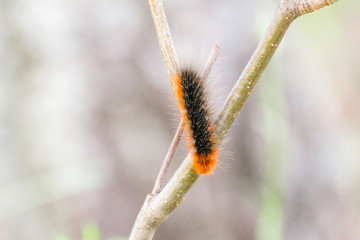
(87, 115)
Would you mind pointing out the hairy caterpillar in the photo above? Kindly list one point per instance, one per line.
(192, 98)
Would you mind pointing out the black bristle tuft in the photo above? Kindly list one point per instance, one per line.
(197, 110)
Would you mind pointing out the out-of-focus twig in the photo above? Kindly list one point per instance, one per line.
(160, 178)
(214, 54)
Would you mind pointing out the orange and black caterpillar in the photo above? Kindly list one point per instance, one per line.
(191, 94)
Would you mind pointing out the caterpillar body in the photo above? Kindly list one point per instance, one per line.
(192, 98)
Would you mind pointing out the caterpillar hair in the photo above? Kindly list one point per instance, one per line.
(192, 97)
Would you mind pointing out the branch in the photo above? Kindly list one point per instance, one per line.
(255, 67)
(168, 158)
(286, 14)
(164, 36)
(156, 209)
(308, 6)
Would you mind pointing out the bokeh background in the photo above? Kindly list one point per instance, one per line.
(87, 115)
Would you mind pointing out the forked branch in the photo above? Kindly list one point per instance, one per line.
(156, 209)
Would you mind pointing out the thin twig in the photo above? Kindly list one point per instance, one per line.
(156, 211)
(160, 178)
(214, 54)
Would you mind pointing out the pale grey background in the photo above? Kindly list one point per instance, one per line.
(86, 118)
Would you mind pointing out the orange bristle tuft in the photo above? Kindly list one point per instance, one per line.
(205, 164)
